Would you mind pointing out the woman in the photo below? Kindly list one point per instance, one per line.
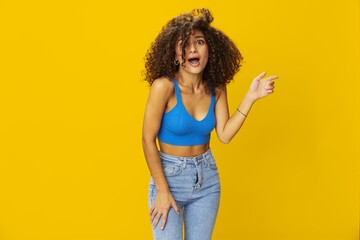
(188, 67)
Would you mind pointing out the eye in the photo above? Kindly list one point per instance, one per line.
(200, 42)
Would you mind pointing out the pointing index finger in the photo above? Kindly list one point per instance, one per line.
(272, 78)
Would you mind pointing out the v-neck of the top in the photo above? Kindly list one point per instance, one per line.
(179, 101)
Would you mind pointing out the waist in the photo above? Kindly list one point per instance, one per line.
(186, 159)
(183, 151)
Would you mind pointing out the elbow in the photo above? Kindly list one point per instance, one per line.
(223, 137)
(146, 141)
(225, 140)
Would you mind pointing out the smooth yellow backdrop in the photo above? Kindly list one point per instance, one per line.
(72, 102)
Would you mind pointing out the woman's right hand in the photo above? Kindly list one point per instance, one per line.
(162, 204)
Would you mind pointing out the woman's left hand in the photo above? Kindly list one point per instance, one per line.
(262, 87)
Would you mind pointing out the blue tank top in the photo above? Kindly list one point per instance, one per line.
(179, 128)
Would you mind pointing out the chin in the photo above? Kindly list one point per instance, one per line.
(194, 70)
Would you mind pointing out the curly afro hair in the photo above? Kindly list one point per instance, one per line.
(224, 57)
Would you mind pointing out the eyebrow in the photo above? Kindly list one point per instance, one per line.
(198, 36)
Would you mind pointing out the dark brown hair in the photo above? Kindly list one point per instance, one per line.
(224, 57)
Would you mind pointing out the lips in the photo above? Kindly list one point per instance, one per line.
(194, 61)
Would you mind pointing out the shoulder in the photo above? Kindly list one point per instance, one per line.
(162, 83)
(163, 86)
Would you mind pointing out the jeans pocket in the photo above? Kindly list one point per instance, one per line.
(171, 169)
(212, 164)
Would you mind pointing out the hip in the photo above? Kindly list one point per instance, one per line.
(190, 175)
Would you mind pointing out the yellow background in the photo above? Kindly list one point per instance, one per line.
(72, 102)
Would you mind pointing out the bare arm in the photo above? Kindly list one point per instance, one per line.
(226, 126)
(154, 110)
(155, 107)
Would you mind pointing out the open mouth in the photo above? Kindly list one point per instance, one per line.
(194, 61)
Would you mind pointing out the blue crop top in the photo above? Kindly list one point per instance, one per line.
(179, 128)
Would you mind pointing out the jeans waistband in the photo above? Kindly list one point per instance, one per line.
(196, 159)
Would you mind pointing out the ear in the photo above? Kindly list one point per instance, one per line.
(178, 58)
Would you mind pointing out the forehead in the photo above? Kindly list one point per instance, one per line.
(194, 34)
(197, 33)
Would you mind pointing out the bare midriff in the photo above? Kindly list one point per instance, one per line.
(183, 151)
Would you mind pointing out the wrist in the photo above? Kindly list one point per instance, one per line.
(163, 189)
(249, 96)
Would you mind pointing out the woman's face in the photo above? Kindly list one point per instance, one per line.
(197, 53)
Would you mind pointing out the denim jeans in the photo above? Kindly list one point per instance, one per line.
(194, 184)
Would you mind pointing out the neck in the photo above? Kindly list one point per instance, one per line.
(192, 81)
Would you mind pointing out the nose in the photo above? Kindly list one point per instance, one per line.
(192, 48)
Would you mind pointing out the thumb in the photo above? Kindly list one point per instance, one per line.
(260, 76)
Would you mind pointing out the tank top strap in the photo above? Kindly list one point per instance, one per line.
(177, 92)
(213, 101)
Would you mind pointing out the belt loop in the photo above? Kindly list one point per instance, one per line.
(208, 156)
(184, 162)
(196, 160)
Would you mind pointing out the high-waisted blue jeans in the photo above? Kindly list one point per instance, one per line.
(194, 184)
